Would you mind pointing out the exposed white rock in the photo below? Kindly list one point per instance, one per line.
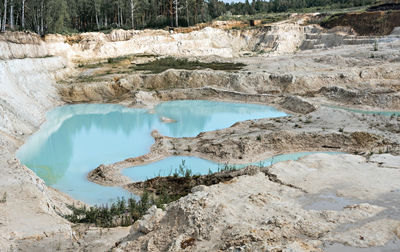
(20, 45)
(147, 223)
(348, 175)
(298, 104)
(372, 234)
(27, 91)
(386, 160)
(167, 120)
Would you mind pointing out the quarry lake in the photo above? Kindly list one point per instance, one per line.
(199, 166)
(75, 139)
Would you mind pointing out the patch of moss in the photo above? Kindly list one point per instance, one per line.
(86, 78)
(94, 65)
(162, 64)
(112, 62)
(117, 60)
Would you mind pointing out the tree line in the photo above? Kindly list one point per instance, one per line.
(66, 16)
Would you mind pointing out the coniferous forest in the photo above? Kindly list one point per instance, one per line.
(69, 16)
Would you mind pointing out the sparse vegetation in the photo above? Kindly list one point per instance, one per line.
(114, 62)
(86, 78)
(123, 212)
(162, 64)
(376, 46)
(4, 198)
(93, 65)
(265, 18)
(123, 65)
(117, 60)
(183, 171)
(227, 168)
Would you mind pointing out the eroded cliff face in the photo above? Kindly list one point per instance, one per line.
(279, 38)
(206, 42)
(276, 39)
(19, 45)
(27, 92)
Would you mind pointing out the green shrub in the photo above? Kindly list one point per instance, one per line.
(162, 64)
(4, 198)
(376, 46)
(227, 168)
(120, 213)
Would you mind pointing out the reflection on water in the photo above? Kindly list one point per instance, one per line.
(77, 138)
(194, 117)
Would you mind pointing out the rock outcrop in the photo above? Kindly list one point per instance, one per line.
(20, 45)
(298, 105)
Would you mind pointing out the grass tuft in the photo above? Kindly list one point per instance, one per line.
(4, 198)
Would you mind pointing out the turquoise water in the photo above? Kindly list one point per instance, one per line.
(368, 112)
(77, 138)
(199, 166)
(198, 116)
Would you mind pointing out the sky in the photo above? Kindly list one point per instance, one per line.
(234, 1)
